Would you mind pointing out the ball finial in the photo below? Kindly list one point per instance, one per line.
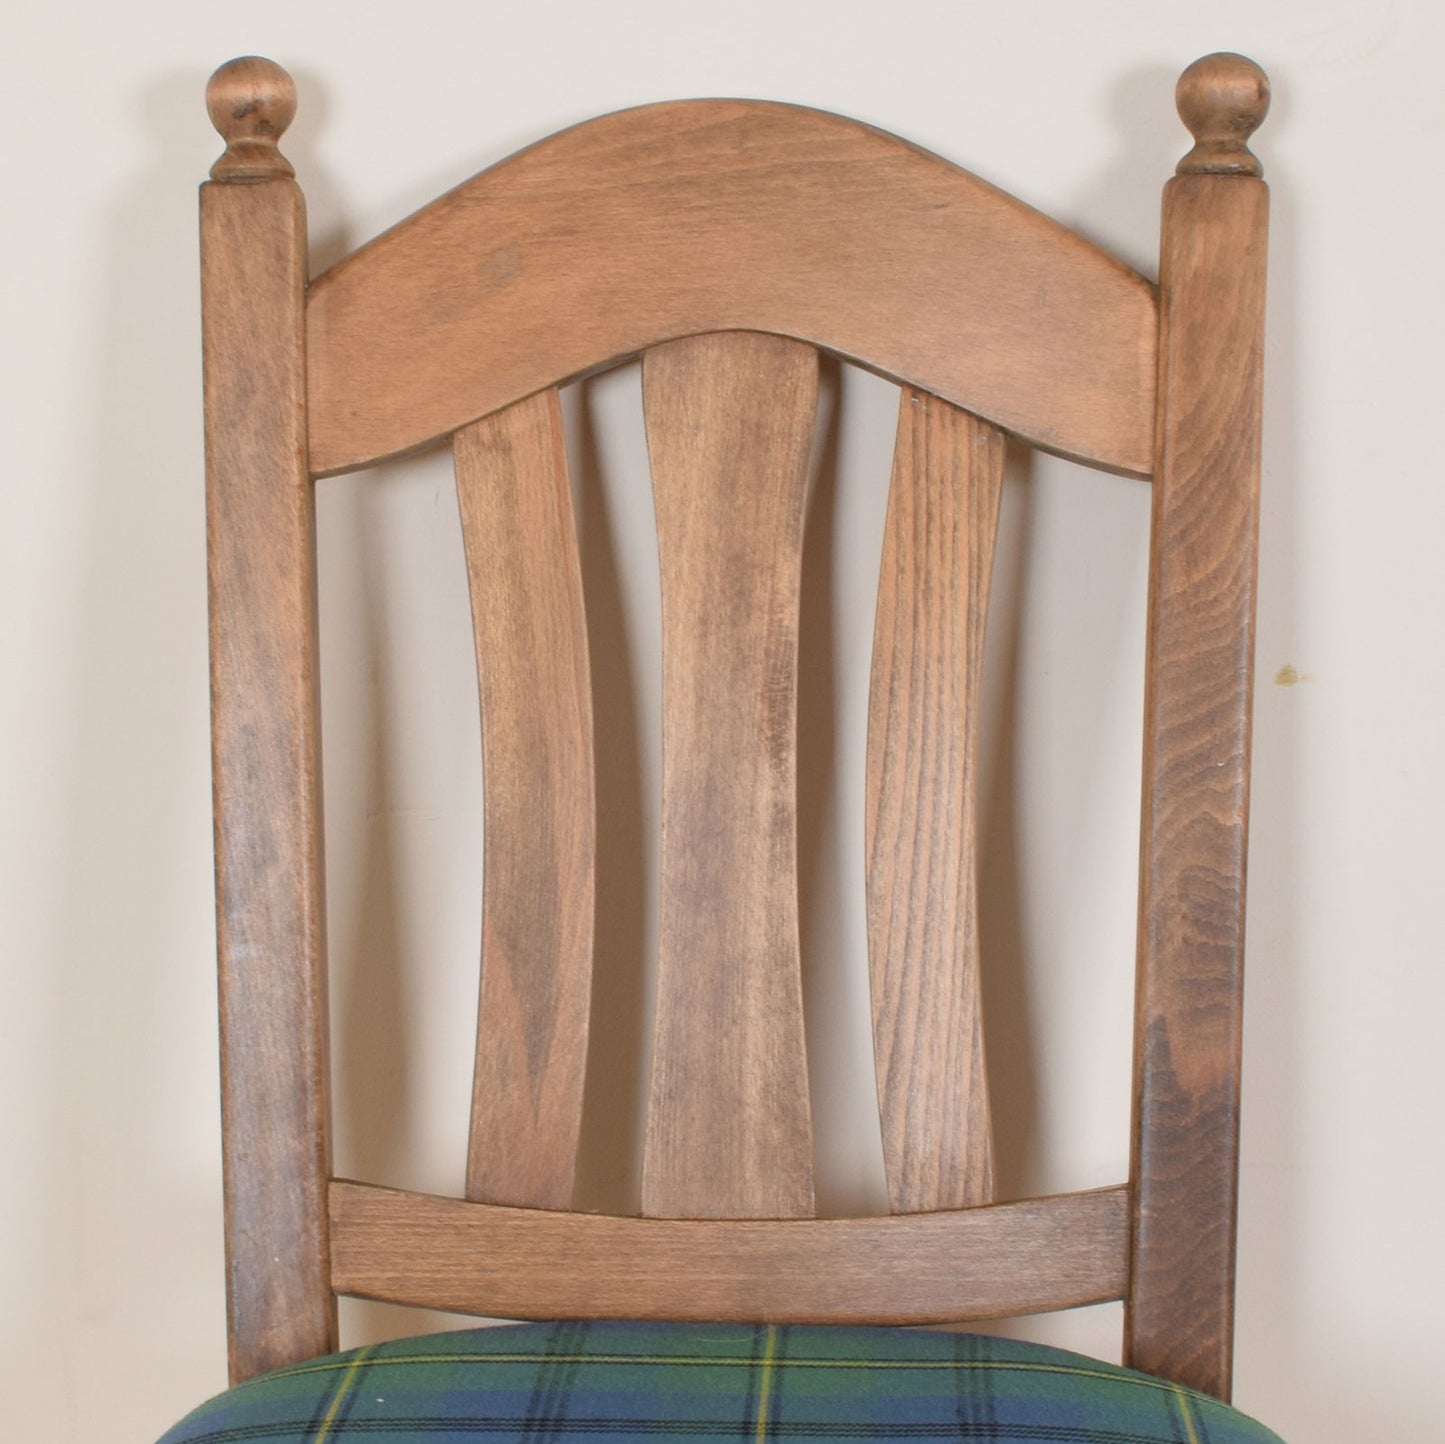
(251, 102)
(1222, 99)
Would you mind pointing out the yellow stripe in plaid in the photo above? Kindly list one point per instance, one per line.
(348, 1380)
(1188, 1413)
(760, 1433)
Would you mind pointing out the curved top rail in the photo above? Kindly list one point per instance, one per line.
(714, 215)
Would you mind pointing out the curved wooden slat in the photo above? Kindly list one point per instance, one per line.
(729, 428)
(540, 842)
(922, 745)
(1046, 1253)
(697, 216)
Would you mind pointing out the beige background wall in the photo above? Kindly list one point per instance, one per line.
(110, 1271)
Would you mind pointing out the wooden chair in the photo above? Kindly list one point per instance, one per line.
(728, 243)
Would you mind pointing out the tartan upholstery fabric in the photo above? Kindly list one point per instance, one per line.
(579, 1381)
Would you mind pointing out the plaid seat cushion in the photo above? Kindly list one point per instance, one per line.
(580, 1381)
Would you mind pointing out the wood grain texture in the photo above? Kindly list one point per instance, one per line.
(540, 847)
(1196, 768)
(695, 216)
(637, 233)
(729, 429)
(923, 716)
(1041, 1254)
(269, 907)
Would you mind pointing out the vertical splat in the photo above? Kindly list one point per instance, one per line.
(540, 848)
(921, 806)
(730, 422)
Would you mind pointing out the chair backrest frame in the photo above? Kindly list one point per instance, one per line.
(1008, 323)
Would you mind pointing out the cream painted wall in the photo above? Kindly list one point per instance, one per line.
(110, 1267)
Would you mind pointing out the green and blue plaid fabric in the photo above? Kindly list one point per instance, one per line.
(586, 1381)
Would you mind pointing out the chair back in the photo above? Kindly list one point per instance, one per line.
(729, 244)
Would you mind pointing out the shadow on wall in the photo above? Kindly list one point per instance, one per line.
(1281, 1336)
(609, 1168)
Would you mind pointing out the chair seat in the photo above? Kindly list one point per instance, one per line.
(599, 1381)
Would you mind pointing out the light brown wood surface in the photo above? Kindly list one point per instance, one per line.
(540, 836)
(729, 215)
(636, 233)
(1179, 1319)
(730, 423)
(251, 102)
(270, 914)
(921, 806)
(1222, 98)
(916, 1268)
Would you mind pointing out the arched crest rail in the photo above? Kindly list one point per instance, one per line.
(695, 216)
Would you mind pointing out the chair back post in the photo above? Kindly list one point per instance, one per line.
(1198, 689)
(270, 912)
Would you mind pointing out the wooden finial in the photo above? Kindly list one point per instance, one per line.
(251, 102)
(1222, 99)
